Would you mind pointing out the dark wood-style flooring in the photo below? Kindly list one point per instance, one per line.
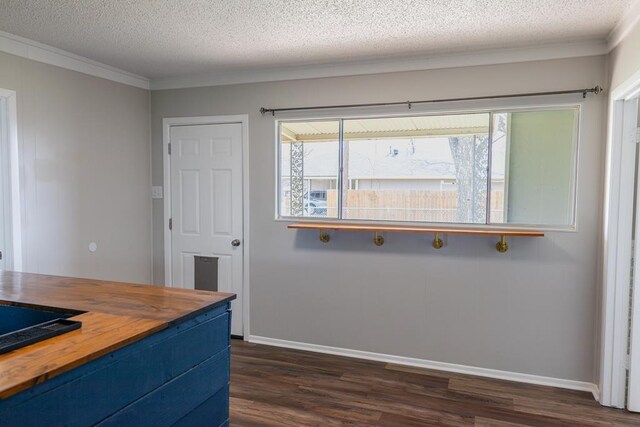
(272, 386)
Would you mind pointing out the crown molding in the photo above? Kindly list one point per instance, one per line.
(430, 62)
(629, 20)
(40, 52)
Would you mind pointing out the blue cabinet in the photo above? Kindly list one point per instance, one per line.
(178, 376)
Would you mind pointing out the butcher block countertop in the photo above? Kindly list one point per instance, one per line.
(113, 315)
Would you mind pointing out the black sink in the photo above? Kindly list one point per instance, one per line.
(22, 326)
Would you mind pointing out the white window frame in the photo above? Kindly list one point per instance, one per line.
(501, 106)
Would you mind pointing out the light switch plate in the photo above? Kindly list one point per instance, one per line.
(156, 192)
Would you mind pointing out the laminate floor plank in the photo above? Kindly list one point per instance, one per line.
(488, 422)
(273, 386)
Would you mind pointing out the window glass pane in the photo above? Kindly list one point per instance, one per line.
(498, 167)
(533, 172)
(423, 168)
(309, 154)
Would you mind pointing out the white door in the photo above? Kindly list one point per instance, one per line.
(206, 206)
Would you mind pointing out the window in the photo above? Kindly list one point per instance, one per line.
(492, 167)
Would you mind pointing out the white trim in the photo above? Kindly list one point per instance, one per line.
(595, 391)
(14, 209)
(243, 119)
(429, 364)
(617, 234)
(246, 318)
(629, 20)
(151, 199)
(633, 376)
(425, 62)
(40, 52)
(166, 212)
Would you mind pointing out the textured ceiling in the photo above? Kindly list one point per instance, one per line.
(156, 38)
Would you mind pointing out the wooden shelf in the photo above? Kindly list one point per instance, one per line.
(401, 229)
(502, 245)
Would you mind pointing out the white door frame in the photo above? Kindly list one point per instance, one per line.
(12, 173)
(617, 250)
(243, 120)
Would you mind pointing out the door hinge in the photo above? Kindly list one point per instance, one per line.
(170, 223)
(169, 148)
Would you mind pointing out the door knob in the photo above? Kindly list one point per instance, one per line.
(235, 243)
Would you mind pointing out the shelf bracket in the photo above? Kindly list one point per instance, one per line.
(437, 241)
(378, 239)
(325, 237)
(502, 246)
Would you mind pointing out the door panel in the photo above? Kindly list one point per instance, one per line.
(221, 202)
(206, 206)
(190, 202)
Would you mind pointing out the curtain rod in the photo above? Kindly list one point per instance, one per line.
(595, 90)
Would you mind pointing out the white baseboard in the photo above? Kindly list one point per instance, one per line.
(430, 364)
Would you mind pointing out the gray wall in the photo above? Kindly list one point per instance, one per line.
(531, 310)
(86, 172)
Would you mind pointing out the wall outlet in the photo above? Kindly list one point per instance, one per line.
(156, 192)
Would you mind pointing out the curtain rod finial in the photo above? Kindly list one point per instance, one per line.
(596, 91)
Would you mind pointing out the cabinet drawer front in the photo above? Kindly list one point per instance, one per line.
(213, 412)
(173, 401)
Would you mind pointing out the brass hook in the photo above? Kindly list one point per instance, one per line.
(502, 246)
(324, 236)
(437, 241)
(378, 239)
